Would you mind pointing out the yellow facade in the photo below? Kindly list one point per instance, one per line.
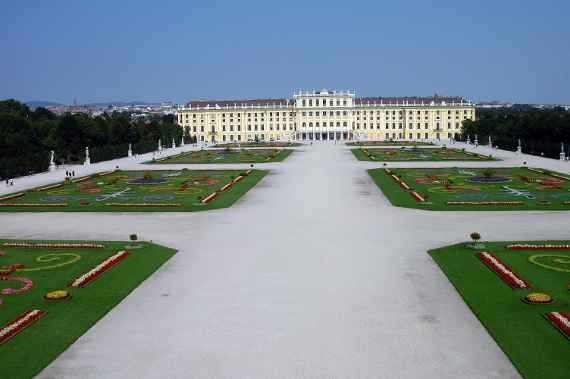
(326, 115)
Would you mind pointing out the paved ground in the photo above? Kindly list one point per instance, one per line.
(311, 274)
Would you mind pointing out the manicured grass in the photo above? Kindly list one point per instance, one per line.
(529, 190)
(28, 352)
(226, 156)
(536, 348)
(165, 191)
(260, 144)
(389, 143)
(416, 154)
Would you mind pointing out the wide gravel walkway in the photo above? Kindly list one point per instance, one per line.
(312, 274)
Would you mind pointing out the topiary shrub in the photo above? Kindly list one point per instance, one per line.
(133, 237)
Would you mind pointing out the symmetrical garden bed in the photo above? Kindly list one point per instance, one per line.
(226, 155)
(53, 292)
(389, 143)
(472, 189)
(407, 154)
(523, 300)
(156, 191)
(260, 144)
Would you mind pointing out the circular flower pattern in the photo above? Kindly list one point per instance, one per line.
(57, 295)
(538, 298)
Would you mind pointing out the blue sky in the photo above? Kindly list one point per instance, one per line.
(180, 50)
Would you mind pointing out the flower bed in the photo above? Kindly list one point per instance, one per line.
(535, 170)
(27, 285)
(227, 186)
(94, 273)
(105, 173)
(81, 179)
(14, 196)
(561, 320)
(237, 179)
(209, 198)
(404, 185)
(48, 205)
(503, 270)
(59, 245)
(417, 196)
(21, 322)
(484, 203)
(526, 246)
(248, 171)
(47, 188)
(143, 204)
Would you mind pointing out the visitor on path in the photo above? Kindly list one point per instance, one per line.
(7, 182)
(11, 182)
(73, 173)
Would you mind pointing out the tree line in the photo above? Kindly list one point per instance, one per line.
(541, 131)
(27, 137)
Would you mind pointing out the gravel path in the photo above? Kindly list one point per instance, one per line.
(311, 274)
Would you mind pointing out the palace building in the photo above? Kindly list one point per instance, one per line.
(326, 115)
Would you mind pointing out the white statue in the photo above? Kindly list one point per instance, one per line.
(173, 143)
(51, 161)
(182, 142)
(159, 145)
(130, 152)
(490, 142)
(519, 147)
(87, 158)
(562, 153)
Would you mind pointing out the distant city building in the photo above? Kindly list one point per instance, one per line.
(493, 104)
(326, 115)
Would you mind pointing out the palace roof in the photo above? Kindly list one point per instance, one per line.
(413, 100)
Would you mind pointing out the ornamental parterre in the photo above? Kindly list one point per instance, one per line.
(503, 270)
(526, 246)
(484, 203)
(58, 245)
(21, 322)
(94, 273)
(561, 320)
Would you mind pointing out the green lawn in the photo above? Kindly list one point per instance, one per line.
(226, 156)
(389, 143)
(536, 348)
(516, 189)
(32, 349)
(128, 191)
(259, 144)
(410, 154)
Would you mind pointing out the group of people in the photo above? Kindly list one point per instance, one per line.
(9, 182)
(70, 174)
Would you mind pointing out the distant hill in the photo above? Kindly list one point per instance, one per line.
(36, 104)
(119, 104)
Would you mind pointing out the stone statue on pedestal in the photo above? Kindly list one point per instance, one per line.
(87, 161)
(51, 161)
